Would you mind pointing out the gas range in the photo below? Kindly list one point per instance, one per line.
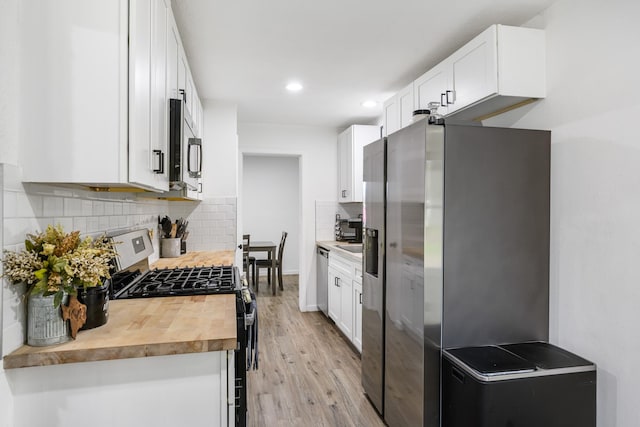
(133, 278)
(176, 282)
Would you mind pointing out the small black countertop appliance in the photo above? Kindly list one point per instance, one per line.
(530, 384)
(348, 230)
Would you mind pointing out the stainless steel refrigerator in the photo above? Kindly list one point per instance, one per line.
(462, 256)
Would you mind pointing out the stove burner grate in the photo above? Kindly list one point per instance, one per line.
(183, 281)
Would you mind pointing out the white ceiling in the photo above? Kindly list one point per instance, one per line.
(342, 51)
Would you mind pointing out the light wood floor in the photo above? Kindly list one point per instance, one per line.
(308, 374)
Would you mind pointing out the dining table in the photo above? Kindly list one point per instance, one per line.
(270, 248)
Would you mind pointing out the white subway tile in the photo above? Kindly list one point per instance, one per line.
(108, 208)
(117, 208)
(10, 208)
(72, 207)
(66, 223)
(98, 207)
(93, 224)
(52, 206)
(16, 229)
(114, 222)
(103, 223)
(87, 208)
(80, 224)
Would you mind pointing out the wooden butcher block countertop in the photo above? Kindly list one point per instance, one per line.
(196, 259)
(148, 327)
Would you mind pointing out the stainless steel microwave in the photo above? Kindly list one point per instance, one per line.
(185, 150)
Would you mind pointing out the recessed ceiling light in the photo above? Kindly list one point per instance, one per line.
(294, 87)
(369, 104)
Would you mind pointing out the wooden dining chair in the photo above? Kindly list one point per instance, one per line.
(265, 263)
(247, 259)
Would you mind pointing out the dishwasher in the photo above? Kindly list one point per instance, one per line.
(322, 267)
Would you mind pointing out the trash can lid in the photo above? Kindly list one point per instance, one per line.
(546, 356)
(491, 360)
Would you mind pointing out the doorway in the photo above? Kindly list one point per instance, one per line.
(270, 201)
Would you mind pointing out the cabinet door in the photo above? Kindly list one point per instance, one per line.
(406, 105)
(334, 295)
(345, 165)
(391, 116)
(475, 70)
(346, 305)
(432, 86)
(147, 96)
(158, 96)
(173, 49)
(357, 315)
(183, 71)
(189, 104)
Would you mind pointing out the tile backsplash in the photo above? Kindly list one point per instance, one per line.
(27, 208)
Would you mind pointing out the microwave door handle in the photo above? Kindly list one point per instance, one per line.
(193, 173)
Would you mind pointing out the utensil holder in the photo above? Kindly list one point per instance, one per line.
(169, 248)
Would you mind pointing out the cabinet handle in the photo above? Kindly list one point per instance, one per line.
(199, 187)
(184, 95)
(160, 168)
(453, 97)
(344, 193)
(360, 298)
(443, 99)
(337, 281)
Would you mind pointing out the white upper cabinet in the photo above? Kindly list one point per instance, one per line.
(398, 110)
(97, 77)
(474, 71)
(391, 115)
(432, 87)
(406, 105)
(148, 154)
(350, 158)
(499, 69)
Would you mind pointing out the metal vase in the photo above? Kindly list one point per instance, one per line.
(44, 321)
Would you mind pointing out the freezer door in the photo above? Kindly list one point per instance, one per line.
(412, 351)
(373, 272)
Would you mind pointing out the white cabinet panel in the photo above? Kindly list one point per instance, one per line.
(345, 323)
(345, 301)
(147, 94)
(350, 158)
(334, 295)
(173, 49)
(406, 105)
(499, 69)
(474, 69)
(74, 92)
(391, 115)
(432, 86)
(100, 97)
(357, 315)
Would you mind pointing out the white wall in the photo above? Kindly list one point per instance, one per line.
(592, 108)
(271, 204)
(317, 150)
(9, 124)
(220, 149)
(9, 80)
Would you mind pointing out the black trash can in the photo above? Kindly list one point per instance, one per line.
(532, 384)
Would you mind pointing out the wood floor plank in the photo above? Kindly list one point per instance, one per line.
(309, 374)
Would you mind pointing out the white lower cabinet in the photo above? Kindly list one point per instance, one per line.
(201, 386)
(357, 315)
(345, 301)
